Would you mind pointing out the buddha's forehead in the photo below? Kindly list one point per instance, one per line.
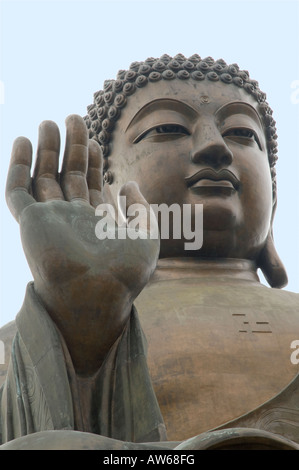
(203, 97)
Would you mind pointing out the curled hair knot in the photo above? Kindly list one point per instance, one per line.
(129, 88)
(159, 66)
(226, 78)
(144, 69)
(130, 76)
(141, 81)
(154, 76)
(168, 75)
(120, 100)
(183, 74)
(213, 76)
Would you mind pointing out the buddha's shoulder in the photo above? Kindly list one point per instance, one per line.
(282, 296)
(275, 302)
(279, 307)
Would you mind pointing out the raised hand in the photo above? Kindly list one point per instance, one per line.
(87, 285)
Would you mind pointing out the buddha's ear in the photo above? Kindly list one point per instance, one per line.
(270, 263)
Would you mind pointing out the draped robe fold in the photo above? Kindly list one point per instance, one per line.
(40, 389)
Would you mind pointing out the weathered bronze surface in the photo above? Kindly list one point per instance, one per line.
(141, 343)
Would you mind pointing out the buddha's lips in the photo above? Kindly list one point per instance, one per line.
(215, 176)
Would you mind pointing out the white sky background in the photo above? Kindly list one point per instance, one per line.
(55, 55)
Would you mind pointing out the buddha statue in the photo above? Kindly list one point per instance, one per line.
(154, 341)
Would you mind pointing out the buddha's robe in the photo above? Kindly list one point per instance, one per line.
(40, 391)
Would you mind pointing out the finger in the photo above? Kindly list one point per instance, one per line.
(18, 184)
(136, 203)
(46, 186)
(75, 162)
(95, 173)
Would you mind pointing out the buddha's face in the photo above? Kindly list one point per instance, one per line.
(189, 142)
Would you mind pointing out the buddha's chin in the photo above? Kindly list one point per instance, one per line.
(217, 245)
(220, 216)
(213, 244)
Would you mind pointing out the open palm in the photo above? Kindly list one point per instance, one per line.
(86, 285)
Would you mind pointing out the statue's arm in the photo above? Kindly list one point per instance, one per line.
(87, 285)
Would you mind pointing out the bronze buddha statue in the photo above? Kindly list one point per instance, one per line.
(142, 340)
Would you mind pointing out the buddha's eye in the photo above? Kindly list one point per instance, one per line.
(242, 135)
(163, 132)
(170, 129)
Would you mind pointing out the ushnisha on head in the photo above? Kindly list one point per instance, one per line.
(109, 102)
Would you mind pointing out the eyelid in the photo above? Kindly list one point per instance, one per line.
(245, 128)
(164, 123)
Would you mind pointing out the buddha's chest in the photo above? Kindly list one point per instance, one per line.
(213, 355)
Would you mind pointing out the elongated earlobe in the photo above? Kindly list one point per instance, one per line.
(272, 266)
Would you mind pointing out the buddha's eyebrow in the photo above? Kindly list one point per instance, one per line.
(163, 104)
(239, 107)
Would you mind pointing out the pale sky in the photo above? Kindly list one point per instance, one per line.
(55, 55)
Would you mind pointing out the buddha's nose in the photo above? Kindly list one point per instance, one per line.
(210, 148)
